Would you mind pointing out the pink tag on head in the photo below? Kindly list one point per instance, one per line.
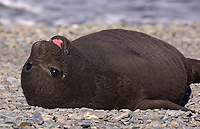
(58, 42)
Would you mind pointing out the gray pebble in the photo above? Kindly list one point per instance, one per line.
(37, 118)
(24, 124)
(22, 107)
(12, 79)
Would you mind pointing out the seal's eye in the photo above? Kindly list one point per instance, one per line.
(28, 66)
(54, 72)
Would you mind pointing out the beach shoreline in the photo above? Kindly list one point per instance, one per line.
(15, 46)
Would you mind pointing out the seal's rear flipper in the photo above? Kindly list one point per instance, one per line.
(158, 104)
(186, 97)
(195, 65)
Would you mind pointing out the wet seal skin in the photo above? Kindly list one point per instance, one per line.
(110, 69)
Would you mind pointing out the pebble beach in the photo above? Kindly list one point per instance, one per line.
(15, 46)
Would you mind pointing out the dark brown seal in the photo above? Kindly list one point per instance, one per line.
(110, 69)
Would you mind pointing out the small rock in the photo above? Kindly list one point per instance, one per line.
(84, 109)
(119, 116)
(136, 126)
(155, 124)
(188, 114)
(47, 117)
(124, 110)
(24, 124)
(22, 107)
(37, 118)
(5, 125)
(76, 127)
(137, 111)
(90, 115)
(148, 121)
(76, 116)
(86, 125)
(197, 118)
(171, 112)
(12, 79)
(174, 123)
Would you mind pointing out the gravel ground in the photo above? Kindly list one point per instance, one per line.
(15, 45)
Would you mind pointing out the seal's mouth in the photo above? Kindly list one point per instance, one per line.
(39, 59)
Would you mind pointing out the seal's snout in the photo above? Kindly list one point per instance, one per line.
(39, 49)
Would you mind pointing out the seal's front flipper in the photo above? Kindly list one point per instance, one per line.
(158, 104)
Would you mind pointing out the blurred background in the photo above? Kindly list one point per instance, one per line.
(66, 12)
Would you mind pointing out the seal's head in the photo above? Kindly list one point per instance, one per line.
(43, 70)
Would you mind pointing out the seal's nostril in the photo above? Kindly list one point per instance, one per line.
(39, 49)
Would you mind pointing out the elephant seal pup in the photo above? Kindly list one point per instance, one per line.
(110, 69)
